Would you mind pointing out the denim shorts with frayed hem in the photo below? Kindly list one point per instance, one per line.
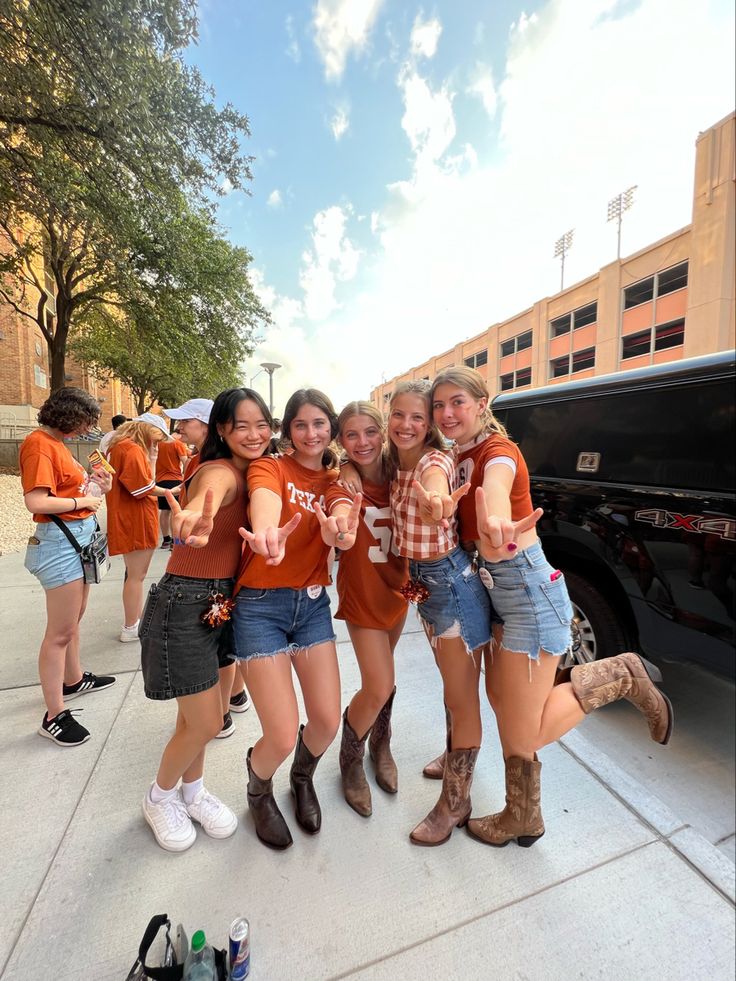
(458, 605)
(180, 655)
(280, 621)
(531, 598)
(54, 561)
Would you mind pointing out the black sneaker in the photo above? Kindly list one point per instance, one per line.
(168, 542)
(240, 702)
(89, 682)
(228, 727)
(63, 729)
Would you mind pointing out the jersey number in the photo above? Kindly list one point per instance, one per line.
(381, 532)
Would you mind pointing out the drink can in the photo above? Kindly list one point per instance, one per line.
(239, 949)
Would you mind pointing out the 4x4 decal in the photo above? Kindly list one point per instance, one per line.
(723, 527)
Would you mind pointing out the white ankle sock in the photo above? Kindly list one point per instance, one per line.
(190, 790)
(158, 794)
(133, 626)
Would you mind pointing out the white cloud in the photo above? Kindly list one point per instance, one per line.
(481, 85)
(226, 186)
(292, 48)
(342, 27)
(340, 122)
(274, 199)
(425, 36)
(332, 258)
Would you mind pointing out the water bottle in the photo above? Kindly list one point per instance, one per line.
(200, 962)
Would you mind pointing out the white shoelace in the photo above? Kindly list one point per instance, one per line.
(175, 811)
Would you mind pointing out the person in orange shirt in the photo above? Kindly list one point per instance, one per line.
(170, 461)
(132, 515)
(282, 616)
(54, 483)
(369, 577)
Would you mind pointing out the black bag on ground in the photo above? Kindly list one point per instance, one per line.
(172, 968)
(95, 557)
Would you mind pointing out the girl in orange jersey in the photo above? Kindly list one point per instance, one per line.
(282, 615)
(370, 575)
(132, 514)
(531, 600)
(186, 631)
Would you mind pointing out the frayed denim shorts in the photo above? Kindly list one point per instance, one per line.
(180, 655)
(280, 621)
(54, 560)
(531, 598)
(458, 604)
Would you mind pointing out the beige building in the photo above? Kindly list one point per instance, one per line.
(673, 299)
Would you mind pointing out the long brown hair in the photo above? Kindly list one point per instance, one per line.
(311, 396)
(434, 439)
(360, 408)
(472, 382)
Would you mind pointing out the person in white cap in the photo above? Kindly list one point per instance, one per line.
(192, 424)
(132, 514)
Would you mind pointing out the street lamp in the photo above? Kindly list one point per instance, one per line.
(562, 247)
(616, 207)
(270, 367)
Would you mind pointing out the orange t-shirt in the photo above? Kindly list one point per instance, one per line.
(305, 562)
(168, 463)
(47, 463)
(191, 466)
(370, 573)
(132, 513)
(472, 462)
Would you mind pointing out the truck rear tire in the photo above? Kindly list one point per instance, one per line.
(597, 629)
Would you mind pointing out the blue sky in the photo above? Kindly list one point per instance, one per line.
(414, 163)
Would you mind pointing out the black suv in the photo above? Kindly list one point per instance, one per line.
(635, 472)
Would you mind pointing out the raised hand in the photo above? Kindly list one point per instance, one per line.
(498, 536)
(270, 543)
(436, 508)
(340, 530)
(191, 527)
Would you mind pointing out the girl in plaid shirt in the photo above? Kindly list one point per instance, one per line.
(452, 602)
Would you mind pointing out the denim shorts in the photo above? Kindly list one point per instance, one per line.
(180, 655)
(54, 561)
(280, 621)
(458, 604)
(534, 607)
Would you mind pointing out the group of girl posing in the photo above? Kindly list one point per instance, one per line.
(432, 505)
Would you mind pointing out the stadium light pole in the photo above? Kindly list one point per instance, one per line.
(270, 367)
(562, 247)
(616, 208)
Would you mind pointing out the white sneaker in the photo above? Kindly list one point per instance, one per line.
(129, 635)
(171, 825)
(216, 818)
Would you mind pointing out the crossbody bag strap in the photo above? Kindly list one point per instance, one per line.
(62, 524)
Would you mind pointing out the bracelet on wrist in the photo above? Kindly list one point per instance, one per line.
(75, 504)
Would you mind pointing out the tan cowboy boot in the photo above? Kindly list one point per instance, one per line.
(379, 746)
(435, 769)
(521, 819)
(354, 784)
(452, 810)
(626, 676)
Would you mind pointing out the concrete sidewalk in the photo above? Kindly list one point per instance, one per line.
(618, 887)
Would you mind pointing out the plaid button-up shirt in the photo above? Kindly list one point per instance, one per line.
(414, 539)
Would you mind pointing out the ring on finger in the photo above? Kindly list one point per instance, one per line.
(341, 536)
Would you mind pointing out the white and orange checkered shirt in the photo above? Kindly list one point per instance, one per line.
(414, 539)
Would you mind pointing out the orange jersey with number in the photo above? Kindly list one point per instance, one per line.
(370, 573)
(471, 464)
(305, 562)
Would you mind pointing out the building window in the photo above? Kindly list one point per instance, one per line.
(507, 381)
(582, 360)
(559, 367)
(560, 326)
(585, 315)
(523, 377)
(477, 360)
(636, 344)
(669, 335)
(39, 376)
(519, 343)
(667, 281)
(386, 396)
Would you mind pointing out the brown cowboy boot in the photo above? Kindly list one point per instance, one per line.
(521, 819)
(271, 827)
(452, 810)
(354, 784)
(306, 805)
(379, 746)
(435, 769)
(626, 676)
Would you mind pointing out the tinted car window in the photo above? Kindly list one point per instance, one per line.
(679, 436)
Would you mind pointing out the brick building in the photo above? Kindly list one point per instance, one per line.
(671, 300)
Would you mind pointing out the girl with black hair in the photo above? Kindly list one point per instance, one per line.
(186, 628)
(282, 615)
